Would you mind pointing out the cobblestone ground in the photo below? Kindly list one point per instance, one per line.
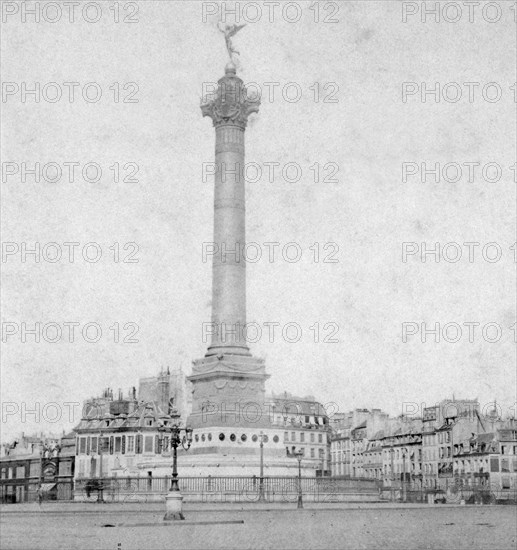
(344, 527)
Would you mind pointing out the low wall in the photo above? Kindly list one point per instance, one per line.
(230, 496)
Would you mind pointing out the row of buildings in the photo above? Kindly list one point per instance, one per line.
(451, 446)
(126, 436)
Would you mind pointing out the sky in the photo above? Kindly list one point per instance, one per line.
(352, 136)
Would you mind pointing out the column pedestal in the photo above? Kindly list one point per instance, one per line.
(229, 390)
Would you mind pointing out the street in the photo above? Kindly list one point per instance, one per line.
(227, 526)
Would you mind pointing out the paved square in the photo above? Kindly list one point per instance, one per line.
(345, 527)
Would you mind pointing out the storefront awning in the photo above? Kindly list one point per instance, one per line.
(46, 487)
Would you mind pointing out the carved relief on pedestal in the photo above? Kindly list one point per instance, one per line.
(229, 364)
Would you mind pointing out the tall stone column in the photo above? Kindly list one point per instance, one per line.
(228, 378)
(229, 111)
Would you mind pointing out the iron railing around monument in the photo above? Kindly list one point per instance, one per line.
(126, 488)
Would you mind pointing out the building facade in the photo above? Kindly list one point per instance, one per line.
(37, 467)
(443, 425)
(350, 451)
(487, 462)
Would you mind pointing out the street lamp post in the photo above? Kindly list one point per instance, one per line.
(392, 452)
(298, 455)
(261, 478)
(40, 496)
(174, 498)
(404, 488)
(100, 487)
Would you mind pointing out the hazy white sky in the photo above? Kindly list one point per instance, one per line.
(362, 61)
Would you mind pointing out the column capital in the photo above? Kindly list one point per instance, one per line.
(230, 105)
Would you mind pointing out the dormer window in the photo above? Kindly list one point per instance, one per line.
(107, 423)
(149, 422)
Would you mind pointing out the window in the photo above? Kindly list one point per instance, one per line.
(203, 437)
(209, 437)
(148, 448)
(502, 449)
(104, 444)
(138, 445)
(505, 465)
(320, 453)
(276, 439)
(312, 438)
(244, 437)
(130, 443)
(221, 436)
(118, 444)
(82, 445)
(494, 464)
(320, 438)
(93, 443)
(505, 482)
(65, 468)
(302, 437)
(233, 437)
(312, 453)
(293, 436)
(286, 436)
(254, 438)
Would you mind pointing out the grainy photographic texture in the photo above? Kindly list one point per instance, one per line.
(258, 274)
